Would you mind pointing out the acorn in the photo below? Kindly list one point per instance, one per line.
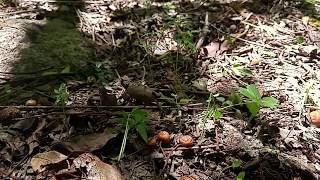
(315, 118)
(186, 141)
(31, 102)
(164, 137)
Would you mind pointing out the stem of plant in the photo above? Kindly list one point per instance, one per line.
(124, 140)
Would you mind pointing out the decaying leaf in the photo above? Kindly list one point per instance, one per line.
(309, 50)
(42, 159)
(33, 139)
(214, 49)
(95, 168)
(91, 142)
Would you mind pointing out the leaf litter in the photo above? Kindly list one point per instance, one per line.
(177, 54)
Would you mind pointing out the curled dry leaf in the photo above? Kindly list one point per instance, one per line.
(96, 169)
(91, 142)
(214, 49)
(46, 158)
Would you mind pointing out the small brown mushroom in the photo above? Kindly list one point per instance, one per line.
(152, 141)
(315, 118)
(164, 137)
(186, 141)
(31, 102)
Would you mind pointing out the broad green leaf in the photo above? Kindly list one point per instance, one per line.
(142, 130)
(236, 163)
(221, 99)
(252, 92)
(253, 107)
(241, 175)
(270, 102)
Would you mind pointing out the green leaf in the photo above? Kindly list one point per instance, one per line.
(241, 175)
(140, 118)
(142, 130)
(236, 163)
(235, 98)
(238, 114)
(221, 99)
(253, 107)
(217, 114)
(66, 69)
(251, 91)
(270, 102)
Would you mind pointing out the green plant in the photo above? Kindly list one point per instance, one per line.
(103, 75)
(62, 95)
(254, 101)
(241, 175)
(213, 111)
(136, 119)
(249, 97)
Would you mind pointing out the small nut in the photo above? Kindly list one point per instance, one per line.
(31, 102)
(164, 137)
(315, 118)
(186, 141)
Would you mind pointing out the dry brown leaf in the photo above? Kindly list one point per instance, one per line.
(309, 50)
(96, 169)
(214, 49)
(91, 142)
(46, 158)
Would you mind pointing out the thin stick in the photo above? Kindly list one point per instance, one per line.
(194, 147)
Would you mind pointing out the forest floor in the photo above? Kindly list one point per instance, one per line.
(81, 80)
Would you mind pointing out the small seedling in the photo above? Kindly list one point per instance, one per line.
(136, 119)
(254, 101)
(236, 164)
(62, 95)
(241, 175)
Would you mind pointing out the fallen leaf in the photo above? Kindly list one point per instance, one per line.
(309, 50)
(214, 49)
(46, 158)
(96, 169)
(91, 142)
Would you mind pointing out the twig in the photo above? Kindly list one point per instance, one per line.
(17, 12)
(194, 147)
